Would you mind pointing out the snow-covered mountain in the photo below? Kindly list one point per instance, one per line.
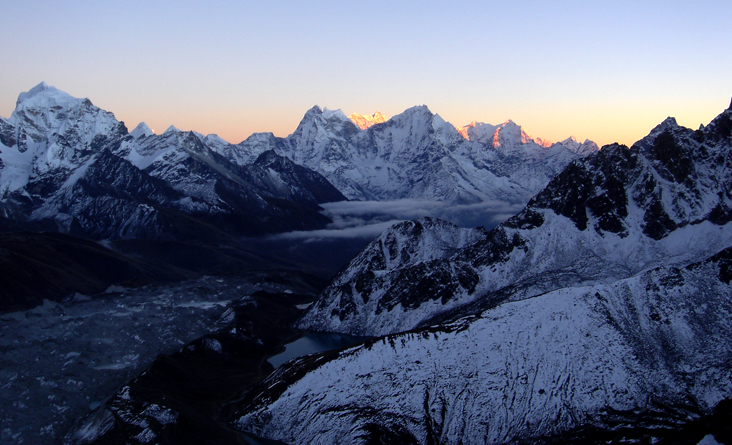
(416, 154)
(639, 357)
(599, 313)
(49, 136)
(71, 166)
(606, 217)
(510, 139)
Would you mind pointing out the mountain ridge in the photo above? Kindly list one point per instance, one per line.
(65, 160)
(415, 154)
(604, 217)
(631, 358)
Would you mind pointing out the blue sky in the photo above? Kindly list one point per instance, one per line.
(608, 71)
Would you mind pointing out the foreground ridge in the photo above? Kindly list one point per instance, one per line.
(644, 354)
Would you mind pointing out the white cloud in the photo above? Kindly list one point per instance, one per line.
(368, 231)
(367, 219)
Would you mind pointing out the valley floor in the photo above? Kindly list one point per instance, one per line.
(60, 361)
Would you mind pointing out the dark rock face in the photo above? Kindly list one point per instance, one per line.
(676, 163)
(598, 185)
(496, 247)
(671, 165)
(52, 266)
(720, 129)
(433, 280)
(304, 186)
(414, 263)
(573, 181)
(7, 133)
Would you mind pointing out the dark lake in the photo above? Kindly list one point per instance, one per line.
(314, 342)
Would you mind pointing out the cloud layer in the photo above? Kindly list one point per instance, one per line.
(367, 219)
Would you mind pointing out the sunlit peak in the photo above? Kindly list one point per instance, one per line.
(366, 121)
(464, 130)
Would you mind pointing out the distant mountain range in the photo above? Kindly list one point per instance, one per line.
(67, 165)
(416, 154)
(666, 200)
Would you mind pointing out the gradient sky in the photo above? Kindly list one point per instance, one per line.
(607, 71)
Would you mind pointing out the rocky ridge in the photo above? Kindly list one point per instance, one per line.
(638, 358)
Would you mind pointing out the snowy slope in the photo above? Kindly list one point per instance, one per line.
(605, 217)
(649, 351)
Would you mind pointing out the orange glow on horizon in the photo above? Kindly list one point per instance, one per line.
(617, 122)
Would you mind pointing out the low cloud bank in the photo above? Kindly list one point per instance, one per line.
(368, 219)
(365, 231)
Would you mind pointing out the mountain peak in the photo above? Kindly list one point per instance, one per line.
(477, 131)
(22, 97)
(325, 113)
(338, 114)
(464, 129)
(318, 125)
(418, 109)
(419, 112)
(141, 130)
(669, 122)
(365, 121)
(510, 133)
(171, 129)
(46, 94)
